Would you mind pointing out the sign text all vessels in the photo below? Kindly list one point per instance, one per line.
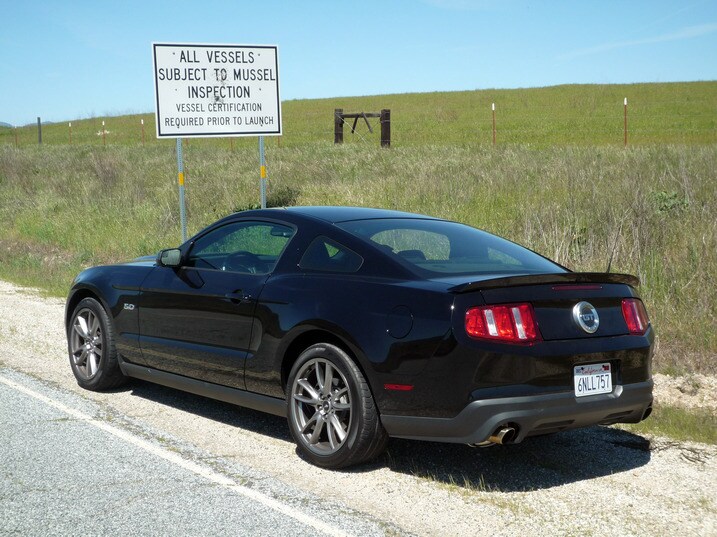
(216, 90)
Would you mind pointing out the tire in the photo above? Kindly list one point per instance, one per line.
(91, 347)
(334, 424)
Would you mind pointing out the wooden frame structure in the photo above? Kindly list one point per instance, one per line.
(340, 118)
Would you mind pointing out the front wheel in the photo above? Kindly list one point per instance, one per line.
(332, 414)
(91, 346)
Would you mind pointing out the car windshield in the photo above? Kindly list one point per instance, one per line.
(437, 247)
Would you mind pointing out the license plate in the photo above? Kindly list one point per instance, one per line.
(592, 379)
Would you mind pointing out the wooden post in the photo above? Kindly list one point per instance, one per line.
(15, 129)
(625, 121)
(385, 128)
(104, 142)
(338, 126)
(70, 127)
(39, 131)
(142, 122)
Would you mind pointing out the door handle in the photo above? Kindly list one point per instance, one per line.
(238, 297)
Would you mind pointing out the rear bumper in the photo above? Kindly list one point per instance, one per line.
(529, 415)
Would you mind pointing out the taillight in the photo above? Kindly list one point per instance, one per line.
(635, 315)
(511, 323)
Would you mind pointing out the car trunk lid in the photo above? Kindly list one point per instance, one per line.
(558, 301)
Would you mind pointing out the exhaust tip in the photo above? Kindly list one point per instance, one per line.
(503, 435)
(647, 413)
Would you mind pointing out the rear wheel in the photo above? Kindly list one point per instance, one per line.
(332, 414)
(91, 346)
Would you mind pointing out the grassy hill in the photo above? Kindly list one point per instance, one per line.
(559, 181)
(571, 114)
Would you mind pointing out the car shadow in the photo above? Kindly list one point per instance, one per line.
(536, 463)
(227, 413)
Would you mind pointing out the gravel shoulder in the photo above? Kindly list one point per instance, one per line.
(597, 481)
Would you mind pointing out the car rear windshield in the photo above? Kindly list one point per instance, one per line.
(437, 247)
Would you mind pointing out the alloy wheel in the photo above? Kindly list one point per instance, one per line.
(86, 343)
(321, 402)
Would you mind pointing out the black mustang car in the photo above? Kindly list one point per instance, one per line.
(359, 324)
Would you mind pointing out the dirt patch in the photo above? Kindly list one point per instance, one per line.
(691, 391)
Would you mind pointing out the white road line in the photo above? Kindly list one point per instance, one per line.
(174, 458)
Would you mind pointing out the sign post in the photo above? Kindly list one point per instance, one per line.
(262, 172)
(180, 183)
(206, 90)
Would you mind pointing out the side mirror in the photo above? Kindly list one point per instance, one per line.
(171, 257)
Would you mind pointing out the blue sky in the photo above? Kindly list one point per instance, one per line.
(65, 60)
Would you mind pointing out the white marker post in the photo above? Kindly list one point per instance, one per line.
(493, 108)
(70, 126)
(104, 141)
(625, 121)
(206, 90)
(142, 123)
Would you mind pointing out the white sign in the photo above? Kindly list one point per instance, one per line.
(216, 90)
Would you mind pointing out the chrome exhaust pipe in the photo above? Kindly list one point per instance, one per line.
(502, 436)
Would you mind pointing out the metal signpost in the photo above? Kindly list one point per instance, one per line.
(180, 182)
(262, 172)
(205, 90)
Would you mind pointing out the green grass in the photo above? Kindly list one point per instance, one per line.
(585, 115)
(678, 424)
(581, 200)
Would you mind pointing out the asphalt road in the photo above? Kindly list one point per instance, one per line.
(69, 468)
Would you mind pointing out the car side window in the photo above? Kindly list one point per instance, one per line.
(326, 255)
(415, 244)
(248, 247)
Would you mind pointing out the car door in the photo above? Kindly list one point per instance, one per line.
(196, 319)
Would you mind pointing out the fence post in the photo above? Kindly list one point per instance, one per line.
(15, 129)
(70, 127)
(338, 126)
(385, 128)
(625, 121)
(493, 108)
(39, 131)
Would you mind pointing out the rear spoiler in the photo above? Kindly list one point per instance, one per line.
(538, 279)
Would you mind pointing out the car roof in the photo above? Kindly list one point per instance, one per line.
(322, 214)
(335, 215)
